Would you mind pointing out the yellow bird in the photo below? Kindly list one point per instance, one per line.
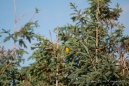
(67, 49)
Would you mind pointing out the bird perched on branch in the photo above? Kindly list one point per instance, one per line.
(67, 49)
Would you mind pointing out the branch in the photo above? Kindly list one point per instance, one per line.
(21, 17)
(15, 21)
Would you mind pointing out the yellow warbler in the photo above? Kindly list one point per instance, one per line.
(67, 49)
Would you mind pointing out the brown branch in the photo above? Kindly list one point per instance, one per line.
(91, 59)
(97, 12)
(5, 67)
(97, 37)
(57, 58)
(80, 37)
(21, 17)
(96, 44)
(106, 45)
(32, 16)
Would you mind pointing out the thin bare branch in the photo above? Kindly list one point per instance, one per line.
(15, 21)
(50, 35)
(57, 38)
(57, 42)
(21, 17)
(33, 16)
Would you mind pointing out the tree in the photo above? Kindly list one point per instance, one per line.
(10, 59)
(91, 52)
(49, 68)
(96, 46)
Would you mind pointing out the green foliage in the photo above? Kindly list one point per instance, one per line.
(96, 57)
(10, 59)
(49, 62)
(94, 42)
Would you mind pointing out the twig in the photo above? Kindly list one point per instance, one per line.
(8, 63)
(5, 67)
(15, 21)
(21, 17)
(57, 59)
(96, 29)
(33, 16)
(96, 44)
(57, 38)
(92, 62)
(50, 35)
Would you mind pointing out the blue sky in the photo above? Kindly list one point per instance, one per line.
(53, 13)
